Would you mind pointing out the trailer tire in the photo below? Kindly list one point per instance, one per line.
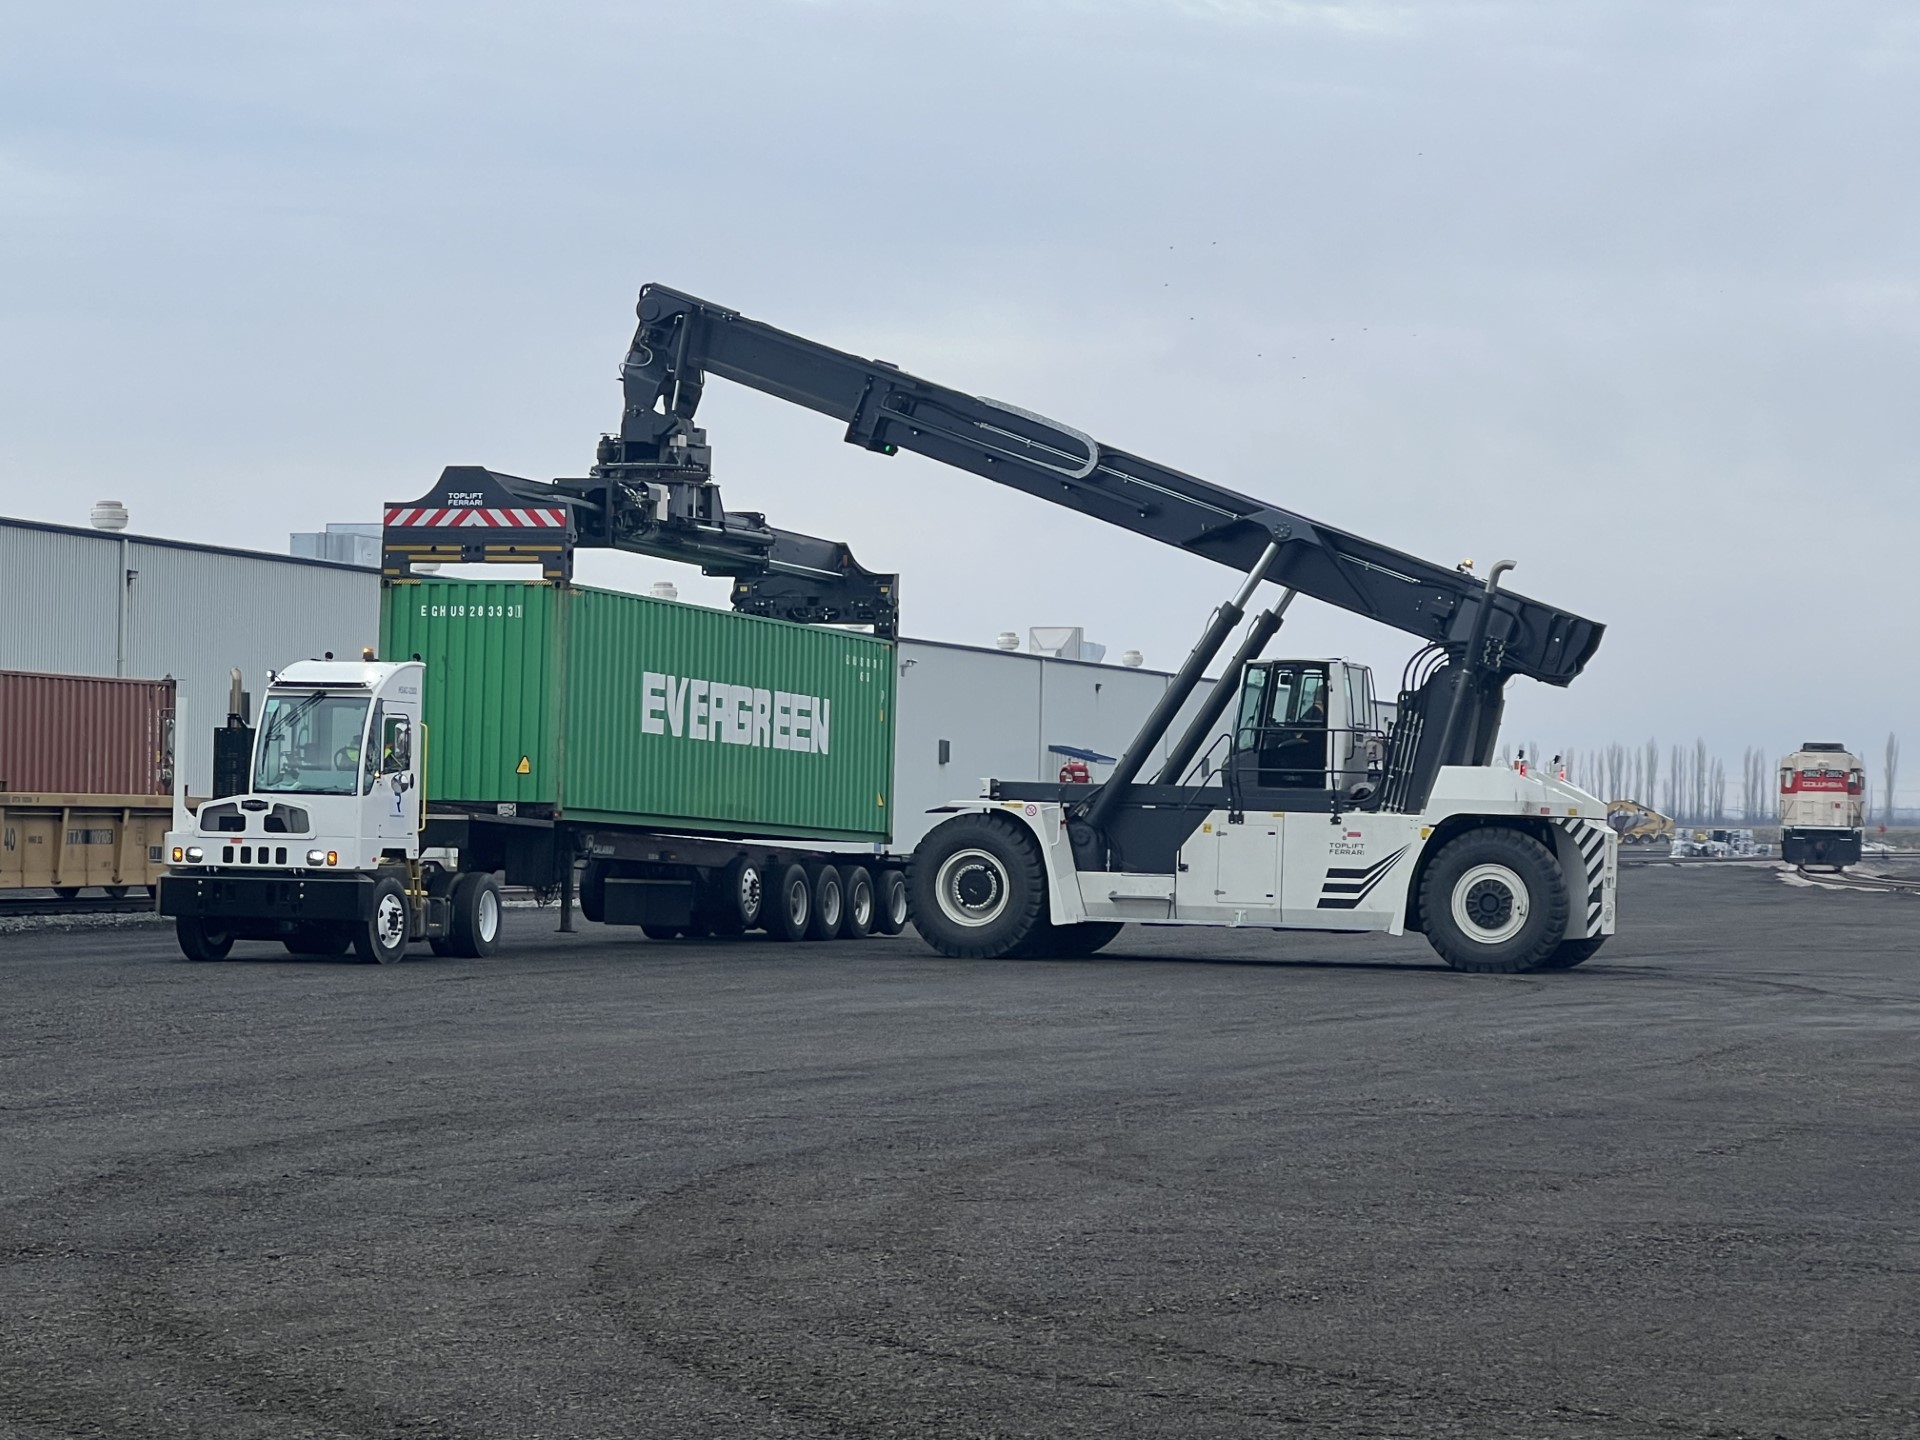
(660, 932)
(890, 913)
(862, 905)
(792, 901)
(978, 889)
(593, 891)
(829, 904)
(381, 939)
(739, 897)
(1573, 952)
(474, 932)
(1494, 902)
(201, 941)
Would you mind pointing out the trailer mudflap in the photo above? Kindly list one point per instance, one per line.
(648, 902)
(266, 897)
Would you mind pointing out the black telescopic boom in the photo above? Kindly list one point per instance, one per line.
(1175, 695)
(1472, 662)
(1265, 625)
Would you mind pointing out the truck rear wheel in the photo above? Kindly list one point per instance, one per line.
(381, 939)
(475, 923)
(792, 902)
(978, 888)
(201, 941)
(1494, 902)
(829, 904)
(890, 910)
(862, 906)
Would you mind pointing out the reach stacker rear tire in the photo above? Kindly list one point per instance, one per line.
(201, 941)
(381, 939)
(792, 905)
(1494, 902)
(978, 889)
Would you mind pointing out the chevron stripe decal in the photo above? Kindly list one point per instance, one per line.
(1591, 837)
(1344, 889)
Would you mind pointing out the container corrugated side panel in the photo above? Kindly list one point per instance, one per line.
(493, 656)
(629, 758)
(85, 734)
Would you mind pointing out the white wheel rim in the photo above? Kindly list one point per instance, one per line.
(830, 908)
(897, 906)
(1490, 904)
(797, 902)
(863, 907)
(749, 894)
(972, 888)
(390, 922)
(486, 920)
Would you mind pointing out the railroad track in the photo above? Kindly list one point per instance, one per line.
(1832, 879)
(45, 904)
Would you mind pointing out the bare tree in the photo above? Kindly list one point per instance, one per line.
(1650, 775)
(1890, 770)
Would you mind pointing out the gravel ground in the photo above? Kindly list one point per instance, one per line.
(1209, 1184)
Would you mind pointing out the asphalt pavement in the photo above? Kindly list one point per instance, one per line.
(1206, 1184)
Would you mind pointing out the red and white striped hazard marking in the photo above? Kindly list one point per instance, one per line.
(411, 517)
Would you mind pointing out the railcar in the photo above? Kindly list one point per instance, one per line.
(1823, 789)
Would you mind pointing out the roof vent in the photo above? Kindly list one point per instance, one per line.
(1006, 640)
(109, 515)
(664, 590)
(1132, 659)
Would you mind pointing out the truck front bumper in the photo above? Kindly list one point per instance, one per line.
(266, 901)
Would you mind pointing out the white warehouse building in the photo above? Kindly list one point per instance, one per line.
(95, 602)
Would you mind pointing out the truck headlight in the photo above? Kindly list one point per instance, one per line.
(316, 857)
(195, 855)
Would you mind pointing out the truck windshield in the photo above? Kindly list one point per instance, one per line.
(310, 744)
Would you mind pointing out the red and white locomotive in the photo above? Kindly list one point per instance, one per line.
(1823, 793)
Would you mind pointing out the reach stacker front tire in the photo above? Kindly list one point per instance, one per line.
(474, 932)
(792, 902)
(381, 939)
(201, 941)
(978, 889)
(890, 892)
(1494, 902)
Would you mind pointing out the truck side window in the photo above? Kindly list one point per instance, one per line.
(396, 746)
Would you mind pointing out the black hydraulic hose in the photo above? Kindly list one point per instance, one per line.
(1471, 665)
(1264, 626)
(1096, 810)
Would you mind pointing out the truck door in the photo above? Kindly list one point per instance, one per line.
(395, 793)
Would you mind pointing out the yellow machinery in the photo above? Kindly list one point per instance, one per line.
(1637, 824)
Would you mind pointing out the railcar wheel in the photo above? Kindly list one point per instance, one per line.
(979, 890)
(1494, 901)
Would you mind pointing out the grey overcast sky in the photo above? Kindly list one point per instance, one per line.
(1626, 292)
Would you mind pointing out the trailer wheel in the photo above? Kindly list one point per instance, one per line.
(978, 888)
(1572, 952)
(660, 932)
(1494, 902)
(862, 906)
(890, 913)
(474, 932)
(792, 913)
(201, 941)
(593, 891)
(829, 904)
(739, 895)
(381, 939)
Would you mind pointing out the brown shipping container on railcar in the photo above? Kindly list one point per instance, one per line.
(85, 734)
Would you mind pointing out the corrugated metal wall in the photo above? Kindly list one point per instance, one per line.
(190, 613)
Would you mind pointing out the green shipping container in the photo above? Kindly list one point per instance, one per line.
(617, 708)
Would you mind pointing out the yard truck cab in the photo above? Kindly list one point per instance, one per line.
(323, 850)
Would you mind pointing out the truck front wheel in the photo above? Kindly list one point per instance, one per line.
(1494, 902)
(201, 941)
(381, 939)
(978, 888)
